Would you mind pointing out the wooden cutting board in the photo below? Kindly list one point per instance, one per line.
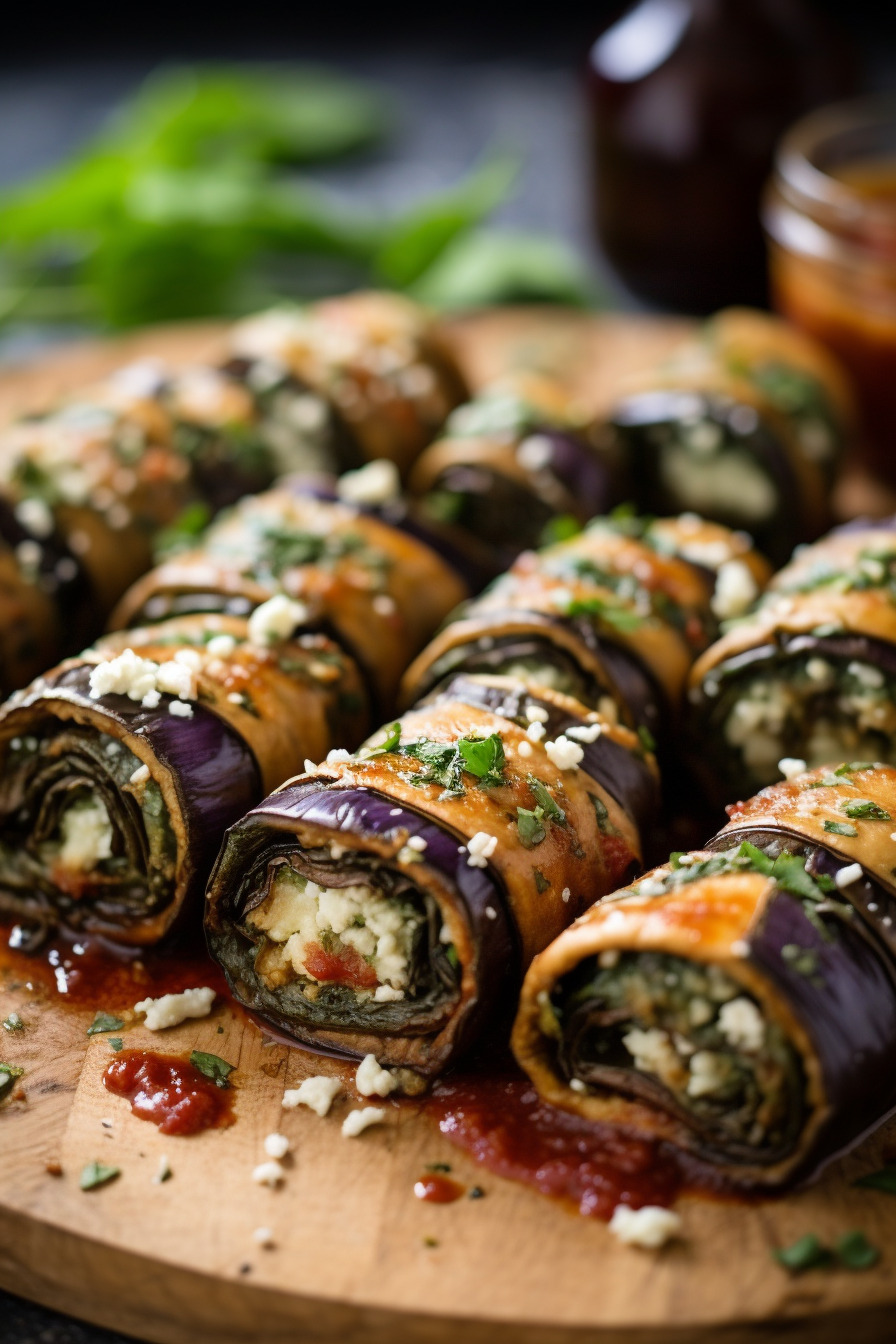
(176, 1262)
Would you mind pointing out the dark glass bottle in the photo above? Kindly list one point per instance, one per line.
(687, 101)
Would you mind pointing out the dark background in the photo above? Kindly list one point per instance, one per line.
(465, 75)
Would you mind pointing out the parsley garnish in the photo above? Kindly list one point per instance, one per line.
(807, 1253)
(884, 1179)
(840, 828)
(213, 1067)
(484, 758)
(855, 1251)
(13, 1023)
(850, 767)
(545, 800)
(115, 1043)
(530, 824)
(865, 809)
(9, 1075)
(646, 738)
(104, 1022)
(445, 763)
(95, 1173)
(621, 618)
(541, 882)
(444, 1167)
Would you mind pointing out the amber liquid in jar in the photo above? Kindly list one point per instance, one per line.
(831, 222)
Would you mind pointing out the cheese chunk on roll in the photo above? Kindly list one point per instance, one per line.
(731, 1003)
(810, 674)
(389, 902)
(120, 769)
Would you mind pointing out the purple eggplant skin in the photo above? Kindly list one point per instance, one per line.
(625, 775)
(586, 474)
(847, 1008)
(215, 774)
(268, 831)
(60, 574)
(866, 524)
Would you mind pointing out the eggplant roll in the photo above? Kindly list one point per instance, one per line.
(731, 1003)
(121, 769)
(389, 902)
(743, 424)
(376, 589)
(376, 360)
(810, 674)
(614, 616)
(514, 468)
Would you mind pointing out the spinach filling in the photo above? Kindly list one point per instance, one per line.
(686, 1037)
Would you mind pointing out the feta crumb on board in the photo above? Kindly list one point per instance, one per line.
(357, 1121)
(263, 1236)
(276, 1145)
(317, 1093)
(268, 1173)
(172, 1009)
(649, 1227)
(373, 1081)
(275, 620)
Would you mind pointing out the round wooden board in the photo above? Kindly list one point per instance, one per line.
(176, 1262)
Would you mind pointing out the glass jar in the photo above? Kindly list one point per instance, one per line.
(830, 220)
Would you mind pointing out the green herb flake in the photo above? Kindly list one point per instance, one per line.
(807, 1253)
(855, 1251)
(827, 781)
(530, 826)
(545, 800)
(115, 1043)
(804, 960)
(789, 872)
(646, 738)
(213, 1067)
(619, 617)
(446, 762)
(541, 882)
(840, 828)
(430, 1243)
(864, 809)
(389, 742)
(851, 767)
(604, 824)
(96, 1174)
(758, 858)
(477, 1192)
(443, 1167)
(484, 758)
(451, 956)
(884, 1179)
(104, 1022)
(9, 1076)
(13, 1023)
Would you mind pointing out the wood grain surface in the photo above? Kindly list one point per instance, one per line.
(176, 1262)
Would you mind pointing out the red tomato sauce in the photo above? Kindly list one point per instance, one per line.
(345, 967)
(169, 1092)
(436, 1189)
(504, 1125)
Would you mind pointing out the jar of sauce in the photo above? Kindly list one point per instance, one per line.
(687, 100)
(830, 219)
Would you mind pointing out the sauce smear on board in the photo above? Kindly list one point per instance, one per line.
(168, 1091)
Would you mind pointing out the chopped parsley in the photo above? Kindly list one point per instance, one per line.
(855, 1251)
(840, 828)
(96, 1173)
(115, 1043)
(13, 1023)
(615, 614)
(807, 1253)
(213, 1067)
(865, 809)
(851, 767)
(884, 1179)
(445, 763)
(545, 800)
(541, 882)
(530, 824)
(282, 548)
(646, 738)
(604, 824)
(104, 1022)
(9, 1076)
(788, 871)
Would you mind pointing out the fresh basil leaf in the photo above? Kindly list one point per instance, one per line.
(96, 1173)
(884, 1179)
(104, 1022)
(213, 1067)
(530, 826)
(807, 1253)
(855, 1251)
(840, 828)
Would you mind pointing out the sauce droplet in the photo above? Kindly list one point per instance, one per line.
(169, 1092)
(438, 1189)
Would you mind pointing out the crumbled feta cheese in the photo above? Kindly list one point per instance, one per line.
(263, 1236)
(735, 590)
(740, 948)
(708, 1072)
(357, 1121)
(742, 1025)
(480, 847)
(609, 958)
(408, 855)
(536, 714)
(585, 732)
(372, 1081)
(128, 674)
(376, 482)
(649, 1227)
(565, 754)
(86, 835)
(576, 1085)
(535, 732)
(565, 895)
(791, 766)
(276, 620)
(338, 755)
(276, 1145)
(846, 876)
(700, 1012)
(190, 658)
(818, 670)
(36, 516)
(221, 646)
(491, 912)
(650, 1048)
(386, 994)
(268, 1173)
(172, 1009)
(417, 842)
(140, 775)
(180, 709)
(317, 1093)
(151, 700)
(235, 698)
(651, 886)
(535, 452)
(524, 749)
(870, 677)
(309, 765)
